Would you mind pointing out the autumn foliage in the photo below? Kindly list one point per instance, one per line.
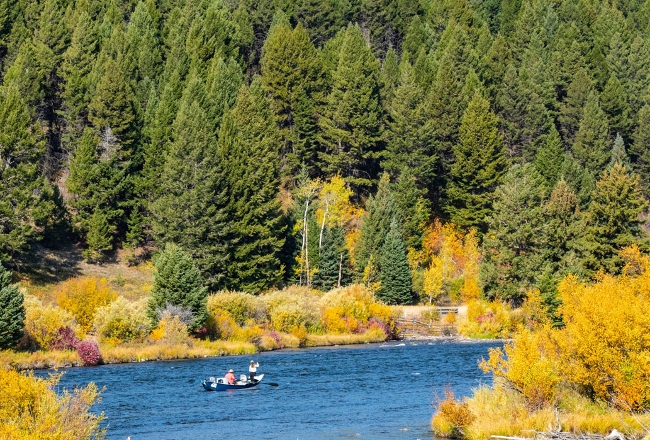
(82, 297)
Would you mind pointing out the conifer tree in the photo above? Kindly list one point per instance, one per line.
(381, 209)
(321, 18)
(12, 311)
(550, 157)
(394, 273)
(333, 261)
(389, 76)
(409, 144)
(99, 236)
(572, 107)
(251, 143)
(414, 209)
(591, 147)
(293, 75)
(564, 228)
(20, 183)
(223, 82)
(351, 123)
(640, 149)
(619, 156)
(612, 221)
(514, 245)
(639, 73)
(177, 281)
(614, 104)
(190, 207)
(478, 167)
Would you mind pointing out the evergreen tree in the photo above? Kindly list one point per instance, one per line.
(351, 123)
(640, 149)
(409, 144)
(394, 273)
(292, 74)
(614, 104)
(612, 221)
(251, 143)
(381, 209)
(591, 147)
(321, 18)
(514, 247)
(333, 261)
(550, 157)
(177, 281)
(639, 73)
(12, 311)
(20, 183)
(572, 107)
(478, 167)
(619, 156)
(190, 207)
(414, 209)
(99, 236)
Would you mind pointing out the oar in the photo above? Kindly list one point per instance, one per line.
(272, 384)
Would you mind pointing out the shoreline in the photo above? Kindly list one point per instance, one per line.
(111, 355)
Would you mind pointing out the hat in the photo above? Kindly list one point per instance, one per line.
(252, 362)
(231, 371)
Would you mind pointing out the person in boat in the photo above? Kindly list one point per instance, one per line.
(252, 370)
(230, 377)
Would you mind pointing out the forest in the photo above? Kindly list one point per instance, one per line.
(308, 142)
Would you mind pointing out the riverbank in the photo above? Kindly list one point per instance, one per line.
(194, 349)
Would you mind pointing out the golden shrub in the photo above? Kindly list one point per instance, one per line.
(82, 296)
(170, 330)
(30, 409)
(122, 321)
(451, 416)
(43, 322)
(241, 306)
(529, 365)
(488, 320)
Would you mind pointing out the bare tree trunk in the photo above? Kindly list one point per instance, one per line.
(340, 270)
(322, 226)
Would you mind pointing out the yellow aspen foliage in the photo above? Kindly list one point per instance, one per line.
(528, 365)
(82, 296)
(433, 279)
(170, 330)
(43, 322)
(605, 344)
(472, 259)
(335, 208)
(30, 409)
(451, 416)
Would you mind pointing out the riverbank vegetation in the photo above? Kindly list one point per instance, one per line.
(589, 375)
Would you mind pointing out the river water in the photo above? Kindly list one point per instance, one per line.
(376, 391)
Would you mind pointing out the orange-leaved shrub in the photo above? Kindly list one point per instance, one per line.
(451, 416)
(170, 330)
(82, 296)
(31, 409)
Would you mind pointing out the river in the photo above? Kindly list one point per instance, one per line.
(376, 391)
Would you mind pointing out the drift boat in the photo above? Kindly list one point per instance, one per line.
(222, 384)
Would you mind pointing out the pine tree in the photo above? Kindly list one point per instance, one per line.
(572, 107)
(381, 209)
(177, 281)
(614, 104)
(99, 236)
(414, 209)
(20, 183)
(640, 149)
(591, 147)
(12, 311)
(612, 221)
(334, 261)
(619, 156)
(389, 76)
(478, 167)
(394, 273)
(493, 65)
(550, 157)
(251, 143)
(639, 72)
(514, 245)
(223, 82)
(351, 123)
(189, 209)
(409, 144)
(292, 74)
(321, 18)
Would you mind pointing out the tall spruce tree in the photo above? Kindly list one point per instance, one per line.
(382, 209)
(351, 123)
(478, 167)
(614, 103)
(591, 146)
(550, 157)
(250, 140)
(12, 311)
(394, 273)
(572, 107)
(640, 149)
(612, 221)
(177, 281)
(333, 261)
(190, 208)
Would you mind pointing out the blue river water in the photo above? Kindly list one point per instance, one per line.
(375, 391)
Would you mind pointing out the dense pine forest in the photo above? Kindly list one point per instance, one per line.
(314, 142)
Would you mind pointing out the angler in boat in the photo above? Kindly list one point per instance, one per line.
(230, 381)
